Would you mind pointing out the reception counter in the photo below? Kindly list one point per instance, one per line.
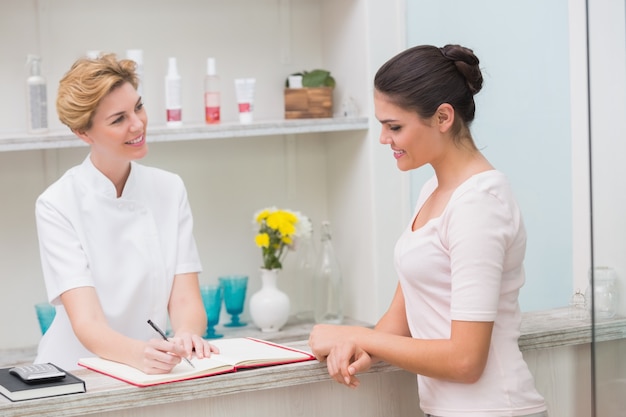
(302, 389)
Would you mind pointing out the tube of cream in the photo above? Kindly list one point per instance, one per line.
(244, 88)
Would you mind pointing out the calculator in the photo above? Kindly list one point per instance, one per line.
(41, 372)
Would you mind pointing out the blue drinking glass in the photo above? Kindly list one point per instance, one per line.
(234, 291)
(212, 299)
(45, 315)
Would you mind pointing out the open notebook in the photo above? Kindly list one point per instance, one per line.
(235, 353)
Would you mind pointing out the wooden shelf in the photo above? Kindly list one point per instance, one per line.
(64, 139)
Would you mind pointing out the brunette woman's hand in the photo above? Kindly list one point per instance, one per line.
(345, 360)
(324, 337)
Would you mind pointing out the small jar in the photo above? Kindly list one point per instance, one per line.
(605, 292)
(578, 306)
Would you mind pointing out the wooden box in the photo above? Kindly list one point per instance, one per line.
(307, 103)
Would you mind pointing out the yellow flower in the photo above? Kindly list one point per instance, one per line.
(262, 215)
(262, 240)
(277, 232)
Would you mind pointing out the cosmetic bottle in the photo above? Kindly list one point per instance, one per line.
(37, 98)
(137, 56)
(211, 93)
(244, 90)
(173, 95)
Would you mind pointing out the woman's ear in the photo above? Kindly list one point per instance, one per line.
(83, 136)
(444, 117)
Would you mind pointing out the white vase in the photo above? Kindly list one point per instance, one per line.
(269, 307)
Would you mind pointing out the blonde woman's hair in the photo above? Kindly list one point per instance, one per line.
(86, 83)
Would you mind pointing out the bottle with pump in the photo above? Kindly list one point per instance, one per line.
(211, 93)
(173, 95)
(37, 98)
(328, 297)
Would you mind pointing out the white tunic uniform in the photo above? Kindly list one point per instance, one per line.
(467, 265)
(128, 248)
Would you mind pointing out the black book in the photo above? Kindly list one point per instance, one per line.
(15, 389)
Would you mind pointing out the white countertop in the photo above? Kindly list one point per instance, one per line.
(540, 330)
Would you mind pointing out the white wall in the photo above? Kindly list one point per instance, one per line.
(372, 191)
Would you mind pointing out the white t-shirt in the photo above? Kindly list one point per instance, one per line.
(128, 248)
(467, 265)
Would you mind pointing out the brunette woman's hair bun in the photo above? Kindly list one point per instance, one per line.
(423, 77)
(466, 63)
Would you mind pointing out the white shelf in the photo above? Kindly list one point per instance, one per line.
(64, 139)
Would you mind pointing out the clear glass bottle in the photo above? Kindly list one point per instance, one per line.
(328, 297)
(305, 273)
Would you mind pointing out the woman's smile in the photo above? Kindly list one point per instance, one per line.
(138, 141)
(398, 153)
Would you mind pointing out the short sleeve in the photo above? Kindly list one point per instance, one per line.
(480, 227)
(188, 259)
(63, 260)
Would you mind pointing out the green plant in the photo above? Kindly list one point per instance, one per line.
(315, 78)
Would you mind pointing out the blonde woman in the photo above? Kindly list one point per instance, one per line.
(115, 237)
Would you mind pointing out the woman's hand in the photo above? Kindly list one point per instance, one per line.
(192, 343)
(161, 356)
(344, 357)
(345, 360)
(324, 337)
(188, 317)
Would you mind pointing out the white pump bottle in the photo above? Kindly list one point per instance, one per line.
(37, 98)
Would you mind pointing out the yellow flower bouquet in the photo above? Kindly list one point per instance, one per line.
(278, 231)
